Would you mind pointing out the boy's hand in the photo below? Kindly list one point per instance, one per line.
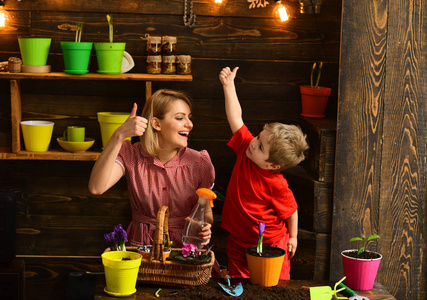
(226, 76)
(292, 246)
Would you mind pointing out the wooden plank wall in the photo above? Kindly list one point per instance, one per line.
(381, 141)
(59, 224)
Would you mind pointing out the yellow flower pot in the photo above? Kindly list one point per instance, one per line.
(121, 275)
(265, 270)
(109, 122)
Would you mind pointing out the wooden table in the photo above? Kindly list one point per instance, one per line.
(147, 291)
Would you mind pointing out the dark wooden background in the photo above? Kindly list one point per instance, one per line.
(60, 226)
(381, 140)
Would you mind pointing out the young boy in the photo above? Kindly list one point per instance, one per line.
(257, 191)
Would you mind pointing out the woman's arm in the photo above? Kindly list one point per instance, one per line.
(106, 172)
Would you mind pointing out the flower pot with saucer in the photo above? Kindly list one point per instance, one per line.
(76, 54)
(121, 267)
(110, 56)
(34, 53)
(264, 262)
(121, 272)
(361, 265)
(265, 269)
(314, 98)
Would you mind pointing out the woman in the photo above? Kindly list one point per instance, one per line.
(160, 170)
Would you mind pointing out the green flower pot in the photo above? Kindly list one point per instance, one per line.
(34, 51)
(109, 57)
(76, 57)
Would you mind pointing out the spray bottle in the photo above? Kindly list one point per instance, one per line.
(194, 225)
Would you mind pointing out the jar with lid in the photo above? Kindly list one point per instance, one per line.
(154, 45)
(154, 64)
(168, 64)
(14, 65)
(168, 45)
(183, 64)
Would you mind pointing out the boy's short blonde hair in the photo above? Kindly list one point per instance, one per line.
(287, 145)
(157, 106)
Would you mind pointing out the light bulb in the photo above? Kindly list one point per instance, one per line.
(4, 16)
(283, 13)
(218, 1)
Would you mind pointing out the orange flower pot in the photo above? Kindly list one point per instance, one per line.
(265, 270)
(146, 254)
(314, 101)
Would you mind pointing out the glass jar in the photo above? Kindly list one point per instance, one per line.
(168, 45)
(183, 64)
(168, 64)
(154, 45)
(154, 64)
(14, 65)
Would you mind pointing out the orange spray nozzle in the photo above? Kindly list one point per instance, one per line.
(207, 193)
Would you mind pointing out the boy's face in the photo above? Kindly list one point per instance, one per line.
(259, 151)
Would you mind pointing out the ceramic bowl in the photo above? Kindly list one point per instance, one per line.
(75, 147)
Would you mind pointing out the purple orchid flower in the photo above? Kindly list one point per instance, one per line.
(121, 234)
(117, 238)
(109, 238)
(261, 228)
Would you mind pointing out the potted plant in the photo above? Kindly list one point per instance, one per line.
(110, 55)
(145, 250)
(314, 98)
(190, 254)
(361, 265)
(264, 263)
(76, 54)
(120, 266)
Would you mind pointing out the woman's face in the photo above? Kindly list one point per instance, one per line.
(174, 128)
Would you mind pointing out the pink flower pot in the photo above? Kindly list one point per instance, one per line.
(360, 273)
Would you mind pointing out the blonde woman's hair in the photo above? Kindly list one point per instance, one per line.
(157, 106)
(287, 145)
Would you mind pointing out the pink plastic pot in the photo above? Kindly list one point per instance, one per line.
(360, 273)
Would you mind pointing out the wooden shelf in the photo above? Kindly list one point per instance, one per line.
(96, 76)
(15, 152)
(53, 154)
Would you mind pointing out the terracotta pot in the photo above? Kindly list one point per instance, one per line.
(314, 101)
(360, 273)
(265, 270)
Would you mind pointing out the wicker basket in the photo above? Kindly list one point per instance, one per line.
(158, 270)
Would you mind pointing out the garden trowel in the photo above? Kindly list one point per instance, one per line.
(325, 292)
(231, 289)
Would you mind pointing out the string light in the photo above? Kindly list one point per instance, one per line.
(4, 15)
(282, 11)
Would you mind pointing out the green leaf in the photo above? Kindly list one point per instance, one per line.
(356, 239)
(360, 251)
(311, 75)
(319, 72)
(373, 237)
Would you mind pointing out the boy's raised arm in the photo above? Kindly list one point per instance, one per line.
(232, 105)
